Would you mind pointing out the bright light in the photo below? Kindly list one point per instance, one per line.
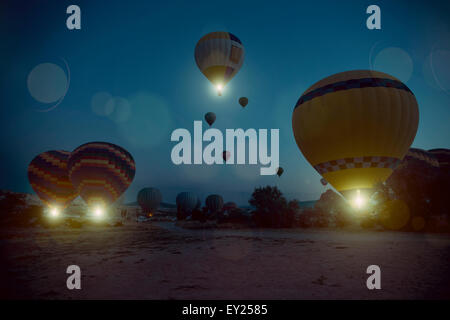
(98, 212)
(219, 88)
(54, 212)
(359, 201)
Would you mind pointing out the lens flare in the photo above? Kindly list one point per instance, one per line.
(359, 201)
(54, 212)
(219, 88)
(98, 212)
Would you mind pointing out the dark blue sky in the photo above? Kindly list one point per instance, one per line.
(143, 52)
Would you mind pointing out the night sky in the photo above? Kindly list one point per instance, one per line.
(142, 54)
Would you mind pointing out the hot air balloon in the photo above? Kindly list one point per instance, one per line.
(187, 201)
(442, 155)
(49, 178)
(214, 203)
(243, 101)
(323, 181)
(355, 127)
(210, 117)
(100, 172)
(226, 155)
(422, 155)
(219, 56)
(149, 199)
(280, 171)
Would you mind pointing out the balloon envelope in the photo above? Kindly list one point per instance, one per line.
(280, 171)
(210, 117)
(149, 199)
(187, 201)
(243, 101)
(355, 127)
(49, 178)
(219, 56)
(226, 155)
(214, 202)
(101, 171)
(422, 155)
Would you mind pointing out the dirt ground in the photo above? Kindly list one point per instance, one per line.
(162, 261)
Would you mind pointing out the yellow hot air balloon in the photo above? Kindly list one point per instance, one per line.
(219, 56)
(355, 127)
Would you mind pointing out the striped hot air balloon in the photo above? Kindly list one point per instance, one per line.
(49, 178)
(442, 155)
(214, 203)
(422, 155)
(101, 171)
(219, 56)
(149, 199)
(355, 127)
(187, 201)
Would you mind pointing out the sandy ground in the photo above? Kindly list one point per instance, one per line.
(162, 261)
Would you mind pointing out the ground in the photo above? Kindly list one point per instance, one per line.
(161, 261)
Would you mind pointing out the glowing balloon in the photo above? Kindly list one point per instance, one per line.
(355, 127)
(219, 56)
(49, 178)
(210, 117)
(243, 101)
(149, 199)
(101, 171)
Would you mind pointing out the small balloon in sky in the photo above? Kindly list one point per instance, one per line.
(226, 155)
(210, 117)
(243, 101)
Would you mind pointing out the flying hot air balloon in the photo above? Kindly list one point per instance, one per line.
(149, 199)
(243, 101)
(219, 56)
(210, 118)
(355, 127)
(422, 155)
(100, 172)
(226, 155)
(323, 181)
(280, 171)
(49, 178)
(214, 203)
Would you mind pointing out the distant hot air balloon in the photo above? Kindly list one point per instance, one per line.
(323, 181)
(101, 172)
(355, 127)
(219, 56)
(422, 155)
(187, 201)
(214, 203)
(226, 155)
(149, 199)
(243, 101)
(280, 171)
(442, 155)
(49, 178)
(210, 117)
